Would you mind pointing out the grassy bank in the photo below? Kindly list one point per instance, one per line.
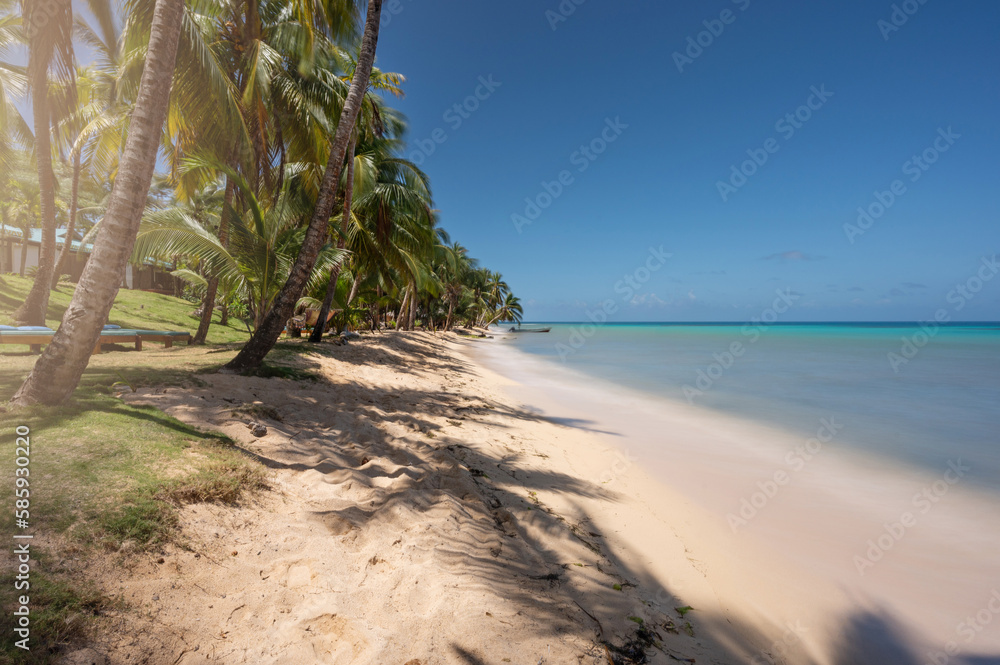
(132, 309)
(106, 476)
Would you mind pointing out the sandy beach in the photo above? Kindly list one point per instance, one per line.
(426, 509)
(417, 515)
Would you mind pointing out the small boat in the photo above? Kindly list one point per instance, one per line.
(521, 329)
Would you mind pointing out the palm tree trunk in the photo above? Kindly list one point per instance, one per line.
(32, 312)
(264, 338)
(411, 320)
(331, 287)
(71, 224)
(401, 316)
(57, 372)
(24, 254)
(208, 305)
(451, 310)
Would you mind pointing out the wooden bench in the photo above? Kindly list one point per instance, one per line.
(36, 339)
(166, 336)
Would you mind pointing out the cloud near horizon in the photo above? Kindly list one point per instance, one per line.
(792, 255)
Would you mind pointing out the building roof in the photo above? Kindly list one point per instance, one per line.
(35, 238)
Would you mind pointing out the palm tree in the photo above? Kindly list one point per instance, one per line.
(508, 310)
(24, 212)
(57, 372)
(67, 133)
(267, 333)
(94, 93)
(455, 265)
(262, 247)
(13, 83)
(278, 65)
(370, 123)
(50, 46)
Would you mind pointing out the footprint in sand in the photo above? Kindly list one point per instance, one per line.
(326, 638)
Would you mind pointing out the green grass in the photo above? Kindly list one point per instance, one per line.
(59, 615)
(106, 471)
(107, 475)
(132, 309)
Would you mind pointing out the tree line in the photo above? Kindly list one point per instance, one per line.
(247, 143)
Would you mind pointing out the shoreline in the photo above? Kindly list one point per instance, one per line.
(417, 516)
(903, 608)
(427, 509)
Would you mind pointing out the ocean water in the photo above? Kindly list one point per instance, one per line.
(902, 393)
(715, 412)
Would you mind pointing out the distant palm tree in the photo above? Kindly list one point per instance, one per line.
(48, 32)
(24, 212)
(509, 310)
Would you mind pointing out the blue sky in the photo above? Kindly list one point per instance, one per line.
(556, 80)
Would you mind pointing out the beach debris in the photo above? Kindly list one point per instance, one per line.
(257, 429)
(633, 650)
(258, 411)
(683, 610)
(552, 578)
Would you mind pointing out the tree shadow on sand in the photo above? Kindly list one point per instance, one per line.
(392, 442)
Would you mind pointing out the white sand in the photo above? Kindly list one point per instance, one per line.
(421, 514)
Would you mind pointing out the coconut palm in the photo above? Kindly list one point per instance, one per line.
(48, 32)
(394, 225)
(270, 328)
(14, 129)
(508, 310)
(24, 212)
(454, 266)
(57, 372)
(280, 68)
(371, 122)
(263, 243)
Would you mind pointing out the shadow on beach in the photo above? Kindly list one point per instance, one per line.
(407, 449)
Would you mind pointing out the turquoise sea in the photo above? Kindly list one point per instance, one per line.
(907, 393)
